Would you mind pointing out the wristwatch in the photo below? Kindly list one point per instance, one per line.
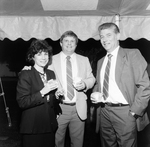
(134, 115)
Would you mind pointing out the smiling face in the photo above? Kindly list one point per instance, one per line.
(109, 39)
(68, 45)
(41, 59)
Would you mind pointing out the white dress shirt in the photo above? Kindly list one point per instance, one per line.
(115, 95)
(74, 74)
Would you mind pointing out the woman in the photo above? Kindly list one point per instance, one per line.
(36, 96)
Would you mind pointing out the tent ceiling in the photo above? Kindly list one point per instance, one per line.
(50, 18)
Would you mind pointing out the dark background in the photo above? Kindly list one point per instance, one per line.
(14, 52)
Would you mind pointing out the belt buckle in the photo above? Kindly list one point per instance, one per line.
(72, 104)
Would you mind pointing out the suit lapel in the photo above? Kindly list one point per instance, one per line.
(80, 68)
(37, 78)
(119, 65)
(80, 65)
(57, 64)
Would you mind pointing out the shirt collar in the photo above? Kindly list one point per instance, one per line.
(63, 56)
(114, 52)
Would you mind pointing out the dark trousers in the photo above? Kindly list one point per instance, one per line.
(38, 140)
(117, 127)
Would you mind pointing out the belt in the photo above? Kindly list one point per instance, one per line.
(115, 105)
(70, 104)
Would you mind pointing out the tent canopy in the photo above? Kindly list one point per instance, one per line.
(50, 18)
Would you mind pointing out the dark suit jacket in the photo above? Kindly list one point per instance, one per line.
(133, 81)
(38, 115)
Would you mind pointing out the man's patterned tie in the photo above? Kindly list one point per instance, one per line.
(106, 78)
(70, 89)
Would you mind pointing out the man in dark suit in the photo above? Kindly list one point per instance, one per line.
(123, 94)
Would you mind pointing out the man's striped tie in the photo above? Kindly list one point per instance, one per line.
(70, 89)
(106, 78)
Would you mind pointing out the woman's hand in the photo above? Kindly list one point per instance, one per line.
(49, 86)
(52, 84)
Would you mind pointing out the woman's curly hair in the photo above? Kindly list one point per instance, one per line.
(38, 46)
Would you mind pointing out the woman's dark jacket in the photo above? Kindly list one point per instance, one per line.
(38, 114)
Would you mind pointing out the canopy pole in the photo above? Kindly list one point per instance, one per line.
(117, 19)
